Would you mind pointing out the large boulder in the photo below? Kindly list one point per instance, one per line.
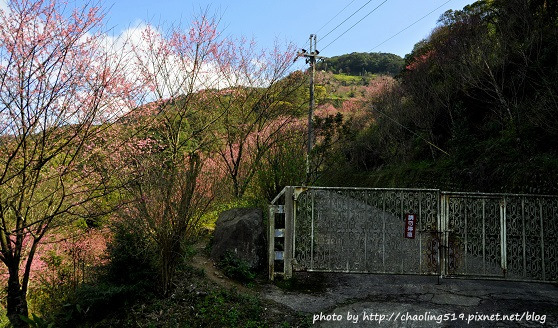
(240, 231)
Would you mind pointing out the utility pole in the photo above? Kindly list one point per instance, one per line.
(311, 57)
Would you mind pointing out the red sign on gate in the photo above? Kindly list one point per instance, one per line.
(410, 226)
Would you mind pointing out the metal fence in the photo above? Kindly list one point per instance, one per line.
(413, 231)
(501, 235)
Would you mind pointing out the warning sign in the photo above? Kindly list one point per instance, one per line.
(410, 226)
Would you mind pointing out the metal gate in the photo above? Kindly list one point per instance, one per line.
(363, 230)
(501, 235)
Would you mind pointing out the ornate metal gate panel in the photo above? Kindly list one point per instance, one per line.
(456, 234)
(501, 235)
(362, 230)
(474, 235)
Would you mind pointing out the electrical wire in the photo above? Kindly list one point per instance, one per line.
(346, 19)
(342, 10)
(406, 28)
(393, 36)
(412, 132)
(355, 24)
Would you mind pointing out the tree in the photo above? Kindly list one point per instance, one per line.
(493, 59)
(480, 89)
(284, 163)
(256, 105)
(165, 143)
(361, 63)
(57, 84)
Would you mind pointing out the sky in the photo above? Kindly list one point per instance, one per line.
(341, 26)
(293, 21)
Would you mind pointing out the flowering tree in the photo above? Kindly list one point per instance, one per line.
(169, 138)
(284, 163)
(255, 105)
(57, 84)
(64, 261)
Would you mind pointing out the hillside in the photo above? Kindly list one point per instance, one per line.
(99, 217)
(479, 114)
(361, 63)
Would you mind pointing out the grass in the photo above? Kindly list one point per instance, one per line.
(198, 302)
(352, 79)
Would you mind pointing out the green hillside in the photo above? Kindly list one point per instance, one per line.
(113, 176)
(473, 109)
(361, 63)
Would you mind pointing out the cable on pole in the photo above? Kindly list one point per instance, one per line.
(346, 19)
(311, 55)
(355, 24)
(342, 10)
(406, 28)
(413, 132)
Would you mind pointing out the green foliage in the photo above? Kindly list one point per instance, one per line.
(194, 303)
(475, 108)
(291, 94)
(93, 302)
(132, 258)
(229, 309)
(363, 63)
(129, 276)
(327, 153)
(4, 321)
(236, 268)
(36, 322)
(352, 79)
(54, 286)
(284, 165)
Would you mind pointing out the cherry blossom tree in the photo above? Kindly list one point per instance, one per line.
(58, 84)
(256, 105)
(170, 137)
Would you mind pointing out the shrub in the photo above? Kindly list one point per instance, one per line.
(283, 165)
(132, 257)
(236, 268)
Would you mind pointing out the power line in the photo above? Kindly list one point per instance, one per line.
(346, 19)
(334, 16)
(406, 28)
(412, 132)
(355, 24)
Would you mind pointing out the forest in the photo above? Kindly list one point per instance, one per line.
(120, 153)
(474, 108)
(363, 63)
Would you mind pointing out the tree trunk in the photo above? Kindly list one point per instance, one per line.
(16, 299)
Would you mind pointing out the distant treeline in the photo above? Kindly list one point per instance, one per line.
(359, 63)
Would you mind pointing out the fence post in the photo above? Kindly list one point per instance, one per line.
(503, 236)
(289, 232)
(444, 238)
(271, 242)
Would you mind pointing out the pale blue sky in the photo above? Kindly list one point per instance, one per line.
(294, 21)
(289, 20)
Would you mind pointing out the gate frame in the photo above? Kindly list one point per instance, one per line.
(289, 195)
(283, 257)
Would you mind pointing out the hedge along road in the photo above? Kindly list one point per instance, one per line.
(366, 300)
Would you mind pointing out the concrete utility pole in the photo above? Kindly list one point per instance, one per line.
(311, 57)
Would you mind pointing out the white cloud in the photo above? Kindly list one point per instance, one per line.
(172, 71)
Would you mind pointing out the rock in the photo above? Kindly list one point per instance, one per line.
(241, 232)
